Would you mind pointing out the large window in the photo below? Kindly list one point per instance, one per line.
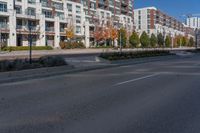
(69, 7)
(58, 5)
(3, 7)
(47, 13)
(31, 11)
(78, 29)
(18, 9)
(60, 15)
(78, 19)
(78, 9)
(31, 1)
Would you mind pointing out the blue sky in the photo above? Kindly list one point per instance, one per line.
(172, 7)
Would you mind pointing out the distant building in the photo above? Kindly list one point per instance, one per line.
(193, 22)
(152, 20)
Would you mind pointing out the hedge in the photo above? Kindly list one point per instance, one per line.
(132, 55)
(20, 48)
(21, 64)
(71, 45)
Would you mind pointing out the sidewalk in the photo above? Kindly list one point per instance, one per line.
(70, 52)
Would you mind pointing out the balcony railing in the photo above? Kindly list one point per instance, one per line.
(62, 30)
(49, 29)
(25, 27)
(3, 25)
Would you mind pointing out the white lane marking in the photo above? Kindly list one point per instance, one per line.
(133, 80)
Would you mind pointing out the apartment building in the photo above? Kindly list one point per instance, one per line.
(152, 20)
(193, 22)
(47, 20)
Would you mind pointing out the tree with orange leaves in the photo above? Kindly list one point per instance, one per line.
(70, 31)
(98, 34)
(113, 34)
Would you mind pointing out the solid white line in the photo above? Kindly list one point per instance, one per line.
(133, 80)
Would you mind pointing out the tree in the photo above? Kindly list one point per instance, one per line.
(113, 34)
(191, 42)
(122, 33)
(179, 40)
(134, 40)
(153, 40)
(98, 34)
(184, 41)
(70, 31)
(167, 41)
(144, 40)
(160, 40)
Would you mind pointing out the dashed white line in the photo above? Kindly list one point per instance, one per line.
(136, 79)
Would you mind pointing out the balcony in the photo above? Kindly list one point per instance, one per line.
(25, 28)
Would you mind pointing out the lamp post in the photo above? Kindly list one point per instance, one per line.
(196, 38)
(30, 41)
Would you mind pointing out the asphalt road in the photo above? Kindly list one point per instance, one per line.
(156, 97)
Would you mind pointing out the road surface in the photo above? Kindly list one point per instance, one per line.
(156, 97)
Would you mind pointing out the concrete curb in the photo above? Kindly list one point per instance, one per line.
(14, 76)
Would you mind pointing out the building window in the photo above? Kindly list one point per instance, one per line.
(58, 6)
(102, 14)
(3, 6)
(92, 5)
(47, 13)
(31, 1)
(78, 19)
(60, 15)
(86, 12)
(78, 29)
(69, 7)
(78, 9)
(31, 11)
(18, 9)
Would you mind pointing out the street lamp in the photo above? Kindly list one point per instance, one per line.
(196, 38)
(30, 24)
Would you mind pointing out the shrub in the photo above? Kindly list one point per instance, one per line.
(49, 61)
(20, 64)
(71, 45)
(20, 48)
(62, 45)
(132, 55)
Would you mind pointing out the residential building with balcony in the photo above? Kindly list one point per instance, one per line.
(152, 20)
(47, 20)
